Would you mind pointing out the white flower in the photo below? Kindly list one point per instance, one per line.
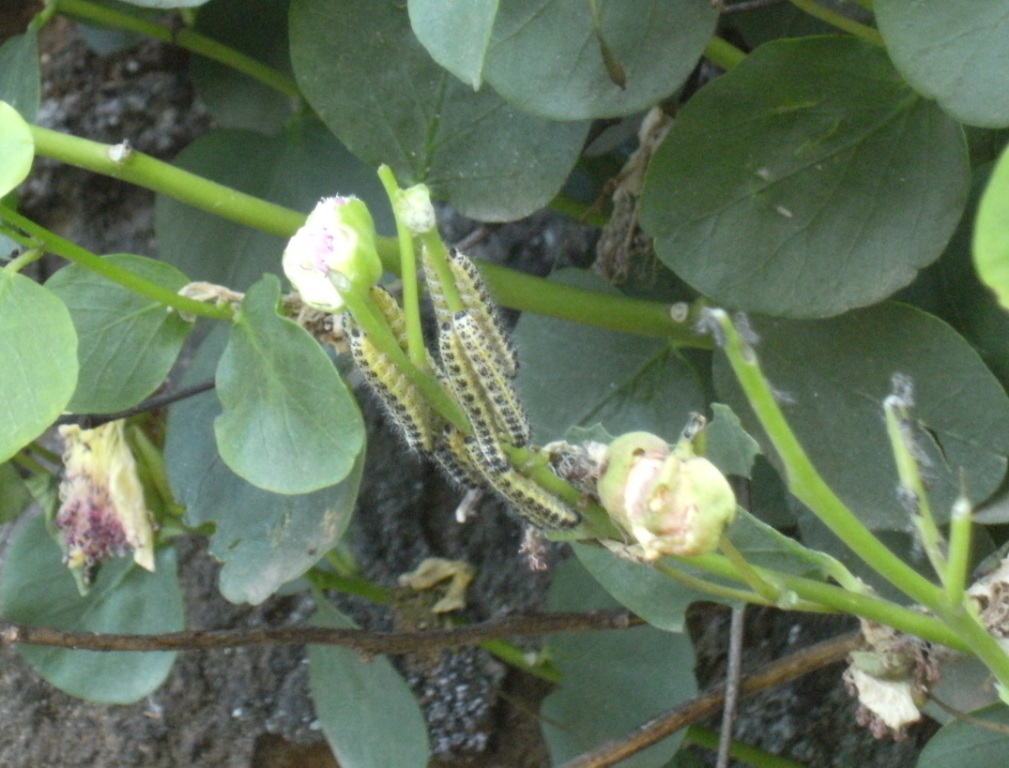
(103, 514)
(335, 245)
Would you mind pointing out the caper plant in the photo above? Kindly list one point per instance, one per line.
(790, 295)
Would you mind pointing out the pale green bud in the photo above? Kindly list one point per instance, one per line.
(337, 239)
(670, 505)
(414, 209)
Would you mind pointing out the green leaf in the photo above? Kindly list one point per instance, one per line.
(377, 89)
(953, 52)
(127, 344)
(833, 376)
(235, 99)
(366, 710)
(965, 743)
(294, 169)
(991, 232)
(766, 547)
(37, 589)
(728, 446)
(289, 425)
(457, 35)
(265, 540)
(17, 148)
(807, 181)
(14, 494)
(613, 680)
(38, 360)
(573, 375)
(20, 81)
(657, 599)
(545, 57)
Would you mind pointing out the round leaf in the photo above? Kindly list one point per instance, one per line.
(289, 425)
(456, 35)
(833, 376)
(547, 59)
(953, 52)
(127, 344)
(966, 743)
(572, 375)
(366, 710)
(491, 161)
(37, 589)
(38, 360)
(20, 81)
(807, 181)
(991, 232)
(612, 680)
(16, 148)
(265, 540)
(235, 99)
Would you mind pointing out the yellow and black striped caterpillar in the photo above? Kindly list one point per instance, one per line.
(478, 364)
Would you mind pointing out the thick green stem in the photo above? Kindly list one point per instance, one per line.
(840, 21)
(805, 482)
(143, 170)
(68, 250)
(723, 53)
(837, 599)
(958, 562)
(437, 255)
(408, 273)
(184, 38)
(765, 589)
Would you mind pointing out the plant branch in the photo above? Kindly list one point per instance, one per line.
(776, 673)
(184, 38)
(92, 420)
(839, 20)
(53, 243)
(360, 640)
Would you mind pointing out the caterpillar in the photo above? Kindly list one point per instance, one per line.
(538, 506)
(506, 408)
(397, 393)
(463, 380)
(474, 294)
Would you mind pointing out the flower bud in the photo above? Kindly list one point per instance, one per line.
(414, 209)
(103, 513)
(336, 241)
(668, 503)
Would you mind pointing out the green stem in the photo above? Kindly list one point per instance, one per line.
(697, 584)
(512, 654)
(372, 323)
(68, 250)
(408, 273)
(805, 482)
(437, 255)
(143, 170)
(723, 53)
(25, 461)
(958, 562)
(898, 425)
(22, 261)
(834, 598)
(601, 310)
(840, 21)
(739, 751)
(768, 591)
(51, 456)
(184, 38)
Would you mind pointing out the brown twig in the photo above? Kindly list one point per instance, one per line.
(770, 675)
(360, 640)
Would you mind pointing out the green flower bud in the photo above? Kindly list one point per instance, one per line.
(668, 503)
(414, 209)
(337, 239)
(630, 465)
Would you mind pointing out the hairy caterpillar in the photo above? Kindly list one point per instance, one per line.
(538, 506)
(506, 409)
(474, 294)
(398, 394)
(465, 383)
